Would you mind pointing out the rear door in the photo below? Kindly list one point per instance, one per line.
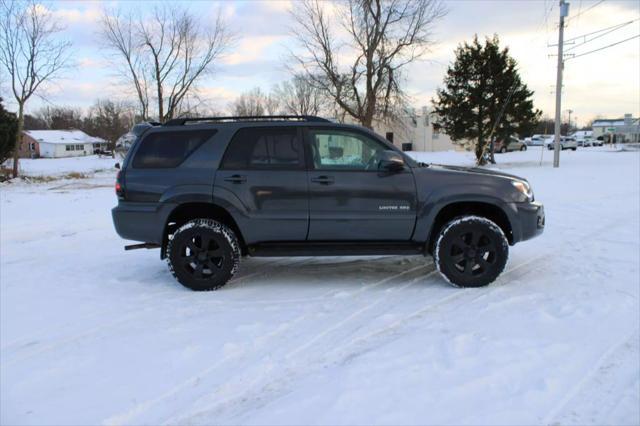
(349, 198)
(263, 172)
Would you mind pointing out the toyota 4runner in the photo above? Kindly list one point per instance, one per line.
(208, 191)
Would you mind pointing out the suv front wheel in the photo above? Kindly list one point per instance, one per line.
(203, 254)
(471, 251)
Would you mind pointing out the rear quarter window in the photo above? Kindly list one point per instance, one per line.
(164, 150)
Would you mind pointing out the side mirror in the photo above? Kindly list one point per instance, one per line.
(117, 166)
(391, 161)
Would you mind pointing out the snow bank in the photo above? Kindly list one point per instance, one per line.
(61, 166)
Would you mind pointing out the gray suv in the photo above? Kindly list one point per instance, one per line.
(208, 191)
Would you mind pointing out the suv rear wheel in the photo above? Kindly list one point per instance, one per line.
(471, 251)
(203, 254)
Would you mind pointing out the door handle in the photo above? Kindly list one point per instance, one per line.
(236, 179)
(323, 180)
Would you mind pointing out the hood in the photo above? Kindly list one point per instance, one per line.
(475, 171)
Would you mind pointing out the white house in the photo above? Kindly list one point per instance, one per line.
(414, 131)
(625, 129)
(59, 143)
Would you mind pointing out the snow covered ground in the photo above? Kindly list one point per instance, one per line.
(91, 334)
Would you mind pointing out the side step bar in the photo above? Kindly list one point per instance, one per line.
(141, 246)
(336, 248)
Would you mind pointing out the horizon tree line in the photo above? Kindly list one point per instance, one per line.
(349, 60)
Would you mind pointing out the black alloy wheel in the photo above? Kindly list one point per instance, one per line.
(471, 251)
(203, 254)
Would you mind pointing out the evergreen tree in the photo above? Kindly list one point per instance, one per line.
(481, 82)
(8, 131)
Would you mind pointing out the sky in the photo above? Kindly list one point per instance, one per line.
(604, 83)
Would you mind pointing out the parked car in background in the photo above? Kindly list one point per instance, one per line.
(536, 140)
(585, 142)
(566, 142)
(514, 144)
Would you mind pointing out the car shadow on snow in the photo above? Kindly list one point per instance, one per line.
(301, 273)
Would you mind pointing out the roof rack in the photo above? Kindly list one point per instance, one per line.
(309, 118)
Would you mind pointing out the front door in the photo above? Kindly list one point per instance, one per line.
(349, 198)
(263, 173)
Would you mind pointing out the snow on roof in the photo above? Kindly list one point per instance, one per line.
(63, 136)
(612, 122)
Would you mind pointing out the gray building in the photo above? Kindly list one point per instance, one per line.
(625, 129)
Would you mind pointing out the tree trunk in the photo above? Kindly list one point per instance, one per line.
(16, 148)
(159, 84)
(479, 157)
(367, 121)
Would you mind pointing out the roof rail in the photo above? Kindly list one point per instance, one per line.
(183, 121)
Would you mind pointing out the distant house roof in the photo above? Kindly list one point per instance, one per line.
(612, 122)
(63, 136)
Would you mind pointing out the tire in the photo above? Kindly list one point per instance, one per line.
(203, 254)
(471, 251)
(573, 149)
(524, 148)
(503, 150)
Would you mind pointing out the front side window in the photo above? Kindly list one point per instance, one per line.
(163, 150)
(264, 148)
(343, 150)
(69, 147)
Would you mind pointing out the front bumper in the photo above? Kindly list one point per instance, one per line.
(532, 219)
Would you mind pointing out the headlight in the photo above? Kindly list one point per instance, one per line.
(523, 187)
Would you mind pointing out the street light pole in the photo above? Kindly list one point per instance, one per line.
(564, 11)
(569, 129)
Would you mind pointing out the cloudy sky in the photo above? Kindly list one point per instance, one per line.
(603, 83)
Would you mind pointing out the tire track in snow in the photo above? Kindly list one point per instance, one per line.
(245, 396)
(134, 313)
(528, 266)
(35, 348)
(587, 377)
(256, 387)
(140, 408)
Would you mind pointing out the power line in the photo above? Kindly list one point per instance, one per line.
(604, 29)
(604, 47)
(585, 11)
(608, 30)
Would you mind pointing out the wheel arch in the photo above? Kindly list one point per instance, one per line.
(485, 209)
(187, 211)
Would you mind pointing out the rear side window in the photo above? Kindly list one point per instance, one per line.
(168, 149)
(264, 148)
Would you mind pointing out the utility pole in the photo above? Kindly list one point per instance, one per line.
(569, 128)
(564, 11)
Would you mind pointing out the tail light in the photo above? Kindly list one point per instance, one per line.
(119, 186)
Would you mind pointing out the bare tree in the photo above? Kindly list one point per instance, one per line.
(165, 54)
(60, 118)
(109, 120)
(298, 97)
(255, 103)
(120, 37)
(382, 36)
(30, 53)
